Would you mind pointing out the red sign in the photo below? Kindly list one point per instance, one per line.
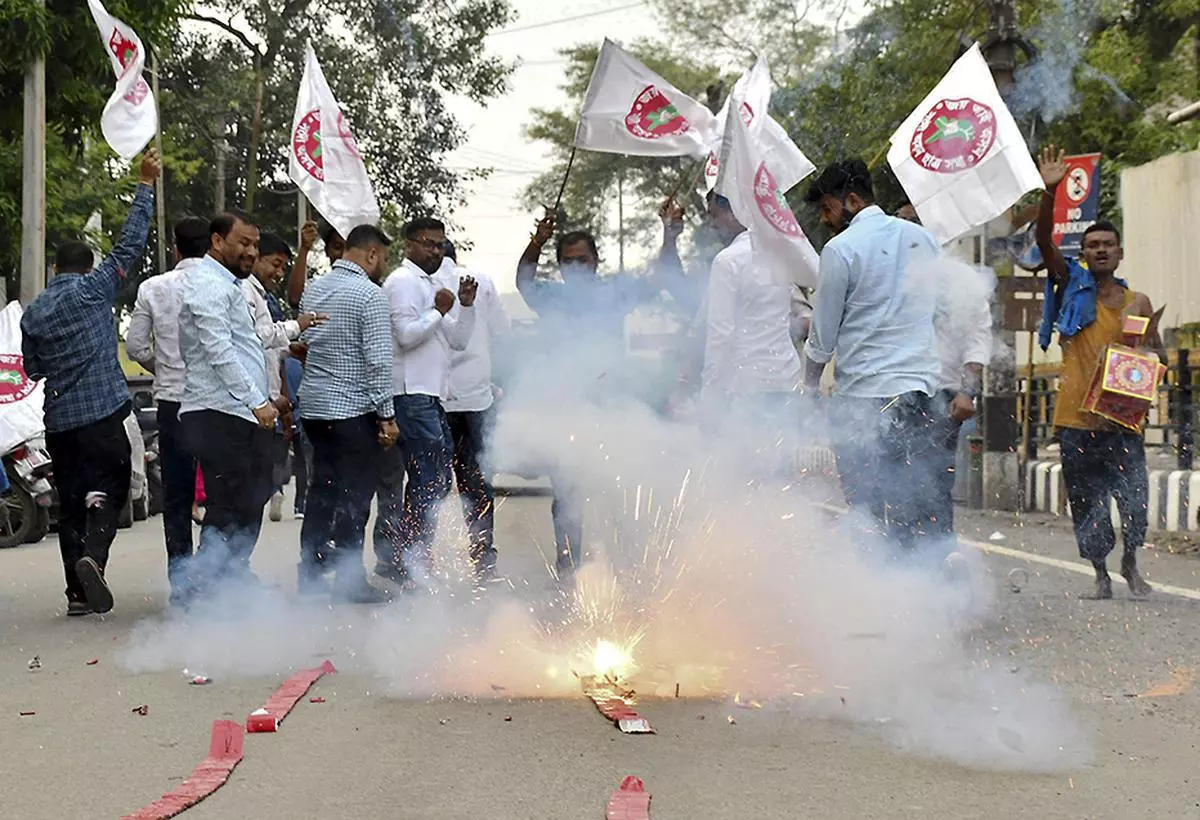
(1077, 202)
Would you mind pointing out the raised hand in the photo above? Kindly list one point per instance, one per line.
(1053, 165)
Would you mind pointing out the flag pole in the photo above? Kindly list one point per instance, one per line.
(566, 176)
(694, 177)
(880, 154)
(160, 205)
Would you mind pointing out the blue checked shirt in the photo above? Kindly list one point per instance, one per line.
(225, 365)
(348, 371)
(69, 336)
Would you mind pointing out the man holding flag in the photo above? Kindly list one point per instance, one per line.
(70, 340)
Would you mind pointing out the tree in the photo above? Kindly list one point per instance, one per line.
(390, 63)
(82, 179)
(588, 200)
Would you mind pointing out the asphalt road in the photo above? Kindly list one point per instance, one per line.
(387, 743)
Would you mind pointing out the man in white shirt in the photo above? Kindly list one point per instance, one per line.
(471, 415)
(153, 342)
(750, 361)
(423, 334)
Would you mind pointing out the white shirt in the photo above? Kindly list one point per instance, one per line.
(422, 338)
(748, 346)
(471, 369)
(153, 336)
(275, 336)
(962, 321)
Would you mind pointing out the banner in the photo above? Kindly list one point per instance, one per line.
(20, 396)
(960, 156)
(1077, 202)
(629, 109)
(323, 159)
(130, 118)
(755, 175)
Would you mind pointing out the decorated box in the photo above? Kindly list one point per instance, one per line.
(1126, 380)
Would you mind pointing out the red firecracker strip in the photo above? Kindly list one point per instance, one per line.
(286, 696)
(630, 802)
(613, 703)
(224, 753)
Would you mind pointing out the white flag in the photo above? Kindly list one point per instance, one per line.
(324, 159)
(753, 91)
(960, 155)
(756, 171)
(130, 118)
(631, 110)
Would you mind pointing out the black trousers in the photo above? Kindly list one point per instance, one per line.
(235, 459)
(389, 504)
(1098, 466)
(179, 489)
(469, 431)
(346, 457)
(92, 471)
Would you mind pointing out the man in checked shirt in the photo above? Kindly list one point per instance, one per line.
(69, 339)
(348, 414)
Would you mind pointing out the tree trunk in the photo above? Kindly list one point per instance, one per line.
(219, 176)
(255, 134)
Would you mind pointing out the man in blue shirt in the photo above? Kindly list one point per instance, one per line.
(874, 313)
(348, 413)
(69, 338)
(226, 413)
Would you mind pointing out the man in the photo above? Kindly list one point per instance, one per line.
(153, 342)
(298, 278)
(962, 325)
(471, 415)
(870, 312)
(1087, 304)
(347, 414)
(423, 334)
(582, 318)
(226, 410)
(749, 358)
(276, 335)
(69, 338)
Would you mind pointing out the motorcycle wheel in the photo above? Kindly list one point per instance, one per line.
(41, 527)
(18, 517)
(140, 510)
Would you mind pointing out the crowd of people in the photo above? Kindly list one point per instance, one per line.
(382, 386)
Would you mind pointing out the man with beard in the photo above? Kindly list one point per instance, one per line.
(276, 335)
(870, 314)
(348, 413)
(423, 335)
(153, 342)
(69, 338)
(226, 409)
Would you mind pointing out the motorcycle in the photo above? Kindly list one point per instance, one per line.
(27, 495)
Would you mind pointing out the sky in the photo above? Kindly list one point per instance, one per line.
(494, 219)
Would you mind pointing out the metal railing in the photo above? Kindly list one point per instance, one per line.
(1171, 424)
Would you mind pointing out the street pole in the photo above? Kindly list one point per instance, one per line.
(33, 182)
(160, 188)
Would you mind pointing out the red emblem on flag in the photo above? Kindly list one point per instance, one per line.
(953, 136)
(772, 205)
(307, 144)
(653, 116)
(14, 384)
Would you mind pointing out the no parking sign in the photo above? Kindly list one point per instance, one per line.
(1076, 202)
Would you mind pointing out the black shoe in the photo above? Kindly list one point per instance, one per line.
(359, 592)
(91, 577)
(393, 573)
(77, 608)
(311, 580)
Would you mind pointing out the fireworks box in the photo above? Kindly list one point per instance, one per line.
(1126, 380)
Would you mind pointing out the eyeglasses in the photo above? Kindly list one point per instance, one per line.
(427, 244)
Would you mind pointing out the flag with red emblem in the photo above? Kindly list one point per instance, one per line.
(130, 118)
(629, 109)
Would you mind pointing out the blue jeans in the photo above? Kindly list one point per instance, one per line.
(567, 511)
(889, 462)
(428, 450)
